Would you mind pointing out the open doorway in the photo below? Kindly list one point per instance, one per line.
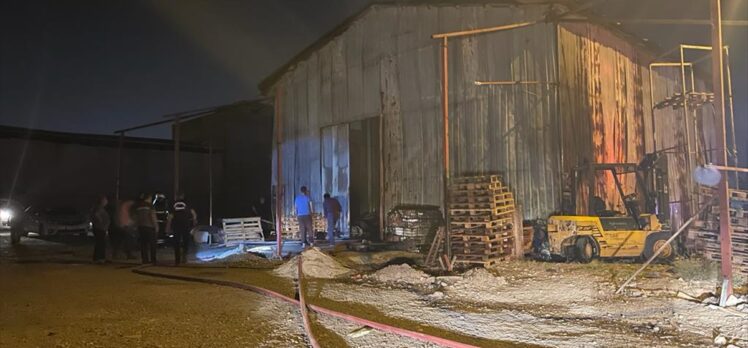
(364, 143)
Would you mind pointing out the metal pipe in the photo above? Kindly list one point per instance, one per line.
(696, 47)
(696, 133)
(689, 162)
(176, 157)
(657, 253)
(381, 178)
(505, 83)
(685, 21)
(445, 125)
(719, 102)
(482, 30)
(157, 123)
(118, 182)
(735, 156)
(652, 108)
(278, 174)
(210, 181)
(728, 169)
(672, 64)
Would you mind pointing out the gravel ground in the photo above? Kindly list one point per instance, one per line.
(46, 305)
(522, 302)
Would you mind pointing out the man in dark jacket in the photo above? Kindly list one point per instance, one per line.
(332, 210)
(145, 219)
(181, 221)
(100, 221)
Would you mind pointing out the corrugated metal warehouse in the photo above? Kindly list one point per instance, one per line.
(360, 110)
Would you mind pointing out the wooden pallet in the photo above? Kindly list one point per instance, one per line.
(466, 192)
(437, 245)
(495, 178)
(485, 224)
(238, 230)
(479, 238)
(491, 199)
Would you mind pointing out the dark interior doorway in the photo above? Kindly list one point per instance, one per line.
(365, 162)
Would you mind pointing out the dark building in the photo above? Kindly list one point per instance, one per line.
(241, 135)
(54, 169)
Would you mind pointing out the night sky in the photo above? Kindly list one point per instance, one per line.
(98, 66)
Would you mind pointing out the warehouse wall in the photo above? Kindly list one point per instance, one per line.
(606, 79)
(592, 105)
(386, 65)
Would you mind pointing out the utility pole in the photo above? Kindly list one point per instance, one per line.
(722, 190)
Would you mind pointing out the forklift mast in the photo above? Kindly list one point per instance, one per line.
(651, 180)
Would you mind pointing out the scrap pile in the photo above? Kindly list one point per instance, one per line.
(481, 214)
(705, 233)
(291, 225)
(413, 223)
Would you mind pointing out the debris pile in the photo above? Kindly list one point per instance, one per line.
(402, 274)
(316, 265)
(481, 216)
(478, 280)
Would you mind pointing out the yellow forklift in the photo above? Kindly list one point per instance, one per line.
(610, 234)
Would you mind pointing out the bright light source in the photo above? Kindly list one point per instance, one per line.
(5, 215)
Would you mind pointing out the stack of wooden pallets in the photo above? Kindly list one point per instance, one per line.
(705, 232)
(481, 217)
(291, 226)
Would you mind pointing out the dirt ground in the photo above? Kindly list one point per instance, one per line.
(517, 303)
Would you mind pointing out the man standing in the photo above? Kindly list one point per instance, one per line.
(332, 210)
(304, 214)
(100, 221)
(181, 221)
(145, 219)
(127, 230)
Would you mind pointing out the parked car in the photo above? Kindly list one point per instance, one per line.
(8, 210)
(59, 221)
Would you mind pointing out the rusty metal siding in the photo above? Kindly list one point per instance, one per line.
(386, 65)
(606, 80)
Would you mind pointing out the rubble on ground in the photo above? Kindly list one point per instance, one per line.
(316, 264)
(478, 280)
(402, 274)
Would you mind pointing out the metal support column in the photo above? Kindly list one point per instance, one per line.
(445, 124)
(118, 182)
(735, 157)
(210, 181)
(176, 157)
(278, 175)
(722, 190)
(689, 151)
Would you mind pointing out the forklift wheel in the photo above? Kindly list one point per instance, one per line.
(654, 242)
(585, 250)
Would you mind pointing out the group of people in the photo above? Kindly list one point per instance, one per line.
(305, 211)
(138, 220)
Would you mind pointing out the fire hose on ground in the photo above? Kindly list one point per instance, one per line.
(303, 308)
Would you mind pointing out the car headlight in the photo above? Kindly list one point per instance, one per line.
(5, 215)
